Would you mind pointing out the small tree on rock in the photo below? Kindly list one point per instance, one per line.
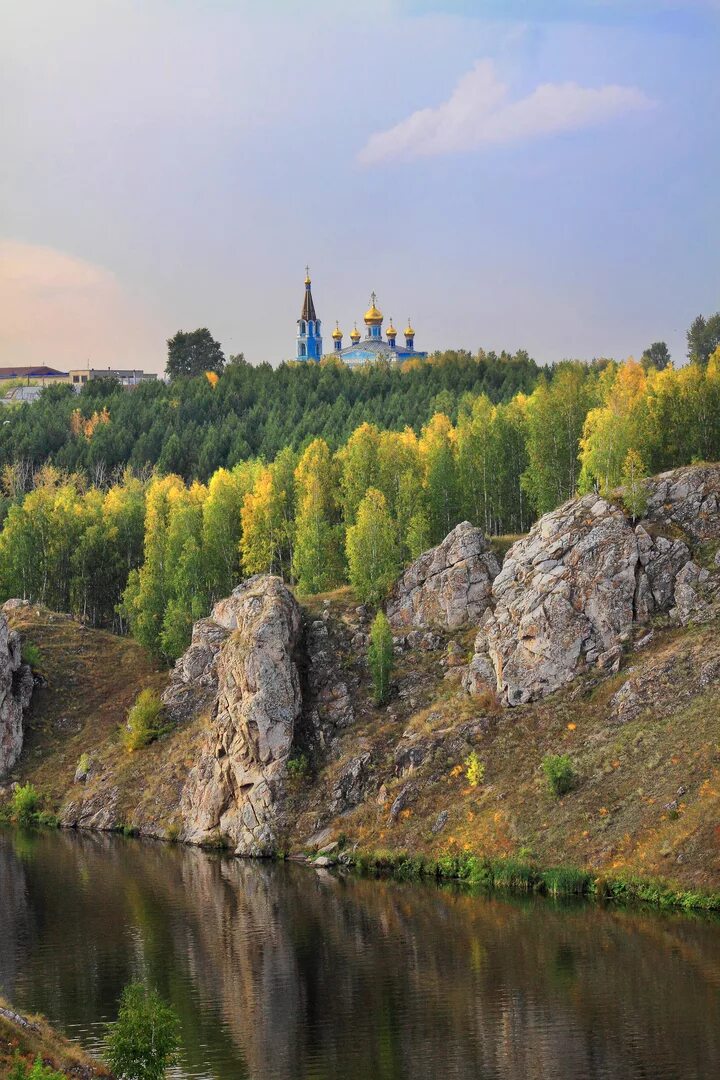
(143, 1042)
(380, 657)
(634, 475)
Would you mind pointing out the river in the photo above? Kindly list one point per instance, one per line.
(280, 972)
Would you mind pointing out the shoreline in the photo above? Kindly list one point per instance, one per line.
(502, 874)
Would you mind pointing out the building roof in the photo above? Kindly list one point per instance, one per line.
(308, 311)
(40, 371)
(374, 348)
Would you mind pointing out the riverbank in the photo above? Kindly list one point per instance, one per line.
(509, 875)
(32, 1037)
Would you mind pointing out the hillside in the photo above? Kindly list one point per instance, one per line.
(639, 724)
(626, 814)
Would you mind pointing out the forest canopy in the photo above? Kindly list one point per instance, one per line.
(154, 552)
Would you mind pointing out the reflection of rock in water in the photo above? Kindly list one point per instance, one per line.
(14, 928)
(281, 972)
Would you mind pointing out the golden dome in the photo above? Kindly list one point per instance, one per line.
(409, 332)
(373, 316)
(355, 334)
(391, 331)
(337, 333)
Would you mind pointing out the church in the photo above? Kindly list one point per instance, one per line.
(372, 347)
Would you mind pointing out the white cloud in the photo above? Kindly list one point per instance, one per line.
(479, 113)
(59, 310)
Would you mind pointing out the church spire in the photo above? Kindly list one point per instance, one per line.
(308, 311)
(309, 335)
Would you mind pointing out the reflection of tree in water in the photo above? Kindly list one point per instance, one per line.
(283, 972)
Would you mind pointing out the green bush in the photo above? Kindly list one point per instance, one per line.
(298, 766)
(559, 773)
(25, 803)
(143, 1042)
(474, 769)
(31, 655)
(380, 657)
(144, 721)
(22, 1071)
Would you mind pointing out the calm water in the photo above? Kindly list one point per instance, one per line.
(284, 972)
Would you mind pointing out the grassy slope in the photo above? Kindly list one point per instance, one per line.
(31, 1036)
(616, 819)
(92, 680)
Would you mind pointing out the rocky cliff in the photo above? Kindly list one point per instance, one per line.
(240, 671)
(573, 592)
(602, 630)
(16, 685)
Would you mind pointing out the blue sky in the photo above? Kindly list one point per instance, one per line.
(508, 174)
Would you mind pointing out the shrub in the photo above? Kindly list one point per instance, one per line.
(22, 1071)
(559, 773)
(474, 769)
(297, 767)
(144, 721)
(380, 657)
(144, 1040)
(31, 655)
(25, 803)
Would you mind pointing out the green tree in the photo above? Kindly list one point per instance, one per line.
(372, 550)
(656, 355)
(556, 413)
(634, 475)
(380, 657)
(193, 352)
(144, 1041)
(437, 447)
(317, 558)
(703, 338)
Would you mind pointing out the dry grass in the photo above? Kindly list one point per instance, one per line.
(32, 1036)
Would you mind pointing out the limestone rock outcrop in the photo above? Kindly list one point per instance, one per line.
(240, 673)
(447, 587)
(570, 593)
(16, 686)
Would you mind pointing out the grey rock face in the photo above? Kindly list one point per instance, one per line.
(240, 668)
(16, 686)
(689, 499)
(564, 597)
(569, 593)
(447, 587)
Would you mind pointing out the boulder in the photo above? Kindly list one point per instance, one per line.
(16, 686)
(448, 587)
(240, 670)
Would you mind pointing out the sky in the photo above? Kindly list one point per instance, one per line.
(538, 174)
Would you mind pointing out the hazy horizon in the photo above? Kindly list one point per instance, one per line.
(516, 175)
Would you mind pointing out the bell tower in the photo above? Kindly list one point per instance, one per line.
(309, 333)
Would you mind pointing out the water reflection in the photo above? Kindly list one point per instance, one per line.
(282, 972)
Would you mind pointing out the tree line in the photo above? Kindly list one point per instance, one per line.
(153, 553)
(194, 425)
